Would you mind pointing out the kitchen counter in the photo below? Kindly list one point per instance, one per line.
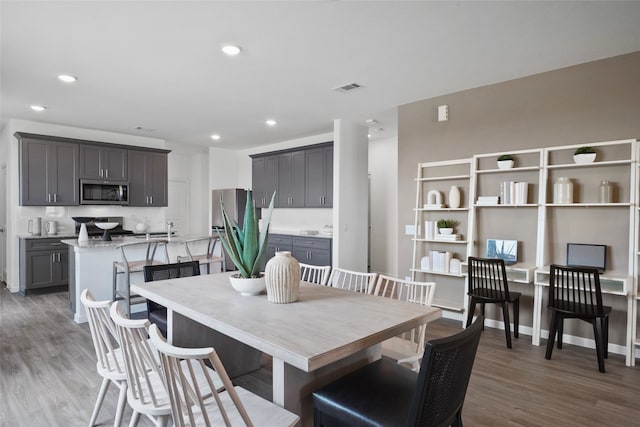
(290, 232)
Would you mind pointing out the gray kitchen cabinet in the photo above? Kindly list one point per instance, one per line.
(291, 179)
(319, 177)
(147, 178)
(264, 172)
(312, 250)
(44, 263)
(277, 243)
(103, 162)
(48, 171)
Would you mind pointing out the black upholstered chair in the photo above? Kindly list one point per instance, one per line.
(387, 394)
(574, 292)
(488, 284)
(155, 312)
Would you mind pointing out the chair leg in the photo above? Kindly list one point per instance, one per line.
(122, 400)
(560, 328)
(457, 422)
(507, 328)
(598, 334)
(162, 421)
(516, 318)
(552, 334)
(482, 307)
(135, 417)
(470, 313)
(103, 391)
(128, 280)
(605, 332)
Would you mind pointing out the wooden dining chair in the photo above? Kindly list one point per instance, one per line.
(157, 313)
(315, 273)
(146, 391)
(384, 393)
(488, 284)
(352, 280)
(575, 293)
(407, 348)
(110, 364)
(207, 257)
(193, 400)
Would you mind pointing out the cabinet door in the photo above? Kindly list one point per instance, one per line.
(271, 179)
(319, 179)
(291, 179)
(137, 171)
(114, 163)
(258, 166)
(39, 266)
(33, 173)
(156, 179)
(61, 267)
(63, 175)
(90, 166)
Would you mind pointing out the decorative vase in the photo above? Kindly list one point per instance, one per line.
(454, 197)
(247, 286)
(563, 190)
(605, 194)
(282, 277)
(505, 164)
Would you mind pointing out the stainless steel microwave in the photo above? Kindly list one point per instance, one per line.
(99, 192)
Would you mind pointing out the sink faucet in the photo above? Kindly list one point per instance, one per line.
(169, 227)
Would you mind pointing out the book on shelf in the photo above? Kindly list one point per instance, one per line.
(448, 237)
(440, 260)
(488, 200)
(430, 229)
(514, 193)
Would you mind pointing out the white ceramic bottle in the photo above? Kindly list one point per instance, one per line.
(282, 277)
(454, 197)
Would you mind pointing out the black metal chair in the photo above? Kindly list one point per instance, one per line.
(387, 394)
(157, 313)
(575, 293)
(488, 284)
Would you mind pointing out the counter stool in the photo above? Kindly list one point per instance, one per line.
(127, 266)
(207, 258)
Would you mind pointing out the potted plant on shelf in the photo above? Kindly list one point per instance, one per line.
(584, 155)
(246, 247)
(445, 226)
(505, 161)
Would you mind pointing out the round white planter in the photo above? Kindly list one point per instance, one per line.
(584, 158)
(445, 230)
(505, 164)
(247, 286)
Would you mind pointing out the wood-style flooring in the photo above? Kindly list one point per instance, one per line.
(48, 377)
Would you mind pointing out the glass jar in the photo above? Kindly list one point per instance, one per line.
(563, 190)
(605, 192)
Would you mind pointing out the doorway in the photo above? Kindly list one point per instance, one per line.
(3, 222)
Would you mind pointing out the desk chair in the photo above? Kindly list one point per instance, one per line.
(384, 393)
(352, 280)
(157, 313)
(575, 293)
(409, 347)
(488, 283)
(110, 365)
(315, 273)
(208, 257)
(194, 402)
(128, 264)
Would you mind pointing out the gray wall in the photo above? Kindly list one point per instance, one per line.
(596, 101)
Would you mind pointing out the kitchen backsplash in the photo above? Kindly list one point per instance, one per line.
(294, 220)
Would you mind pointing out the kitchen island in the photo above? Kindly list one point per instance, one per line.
(91, 267)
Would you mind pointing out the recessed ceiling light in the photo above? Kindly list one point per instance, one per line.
(371, 122)
(38, 108)
(215, 137)
(231, 50)
(271, 122)
(67, 78)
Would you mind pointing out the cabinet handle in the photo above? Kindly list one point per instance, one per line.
(151, 200)
(55, 198)
(106, 173)
(58, 256)
(101, 173)
(53, 257)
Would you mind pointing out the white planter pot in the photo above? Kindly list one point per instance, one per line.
(247, 286)
(584, 158)
(445, 230)
(505, 164)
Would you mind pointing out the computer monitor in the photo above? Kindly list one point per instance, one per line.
(587, 255)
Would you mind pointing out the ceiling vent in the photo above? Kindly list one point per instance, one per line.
(348, 87)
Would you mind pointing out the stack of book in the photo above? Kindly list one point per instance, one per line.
(448, 237)
(430, 230)
(440, 261)
(514, 193)
(488, 200)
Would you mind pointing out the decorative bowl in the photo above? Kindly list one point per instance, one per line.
(584, 158)
(107, 225)
(445, 230)
(82, 219)
(248, 286)
(505, 164)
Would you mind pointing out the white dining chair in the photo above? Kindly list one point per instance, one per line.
(407, 348)
(315, 273)
(110, 364)
(352, 280)
(195, 403)
(146, 392)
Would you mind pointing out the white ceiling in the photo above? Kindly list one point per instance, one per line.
(157, 64)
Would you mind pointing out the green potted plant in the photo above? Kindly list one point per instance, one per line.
(445, 226)
(505, 161)
(584, 154)
(246, 246)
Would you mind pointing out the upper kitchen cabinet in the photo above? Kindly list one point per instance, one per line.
(147, 178)
(291, 179)
(48, 171)
(103, 162)
(319, 179)
(264, 172)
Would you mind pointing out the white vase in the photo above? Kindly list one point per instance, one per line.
(247, 286)
(454, 197)
(282, 278)
(563, 190)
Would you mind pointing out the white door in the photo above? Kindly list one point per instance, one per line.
(3, 222)
(178, 206)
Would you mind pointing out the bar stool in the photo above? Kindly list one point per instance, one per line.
(207, 258)
(128, 265)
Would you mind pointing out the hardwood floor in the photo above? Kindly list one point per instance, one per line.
(48, 377)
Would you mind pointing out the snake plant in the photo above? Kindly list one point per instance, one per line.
(246, 246)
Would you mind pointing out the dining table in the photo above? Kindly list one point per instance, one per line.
(325, 334)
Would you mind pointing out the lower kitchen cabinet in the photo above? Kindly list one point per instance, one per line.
(44, 263)
(307, 250)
